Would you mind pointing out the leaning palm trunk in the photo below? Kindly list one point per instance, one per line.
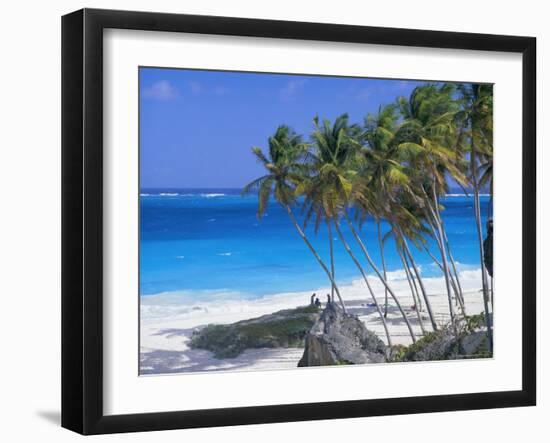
(488, 321)
(413, 281)
(381, 246)
(416, 303)
(459, 294)
(453, 283)
(377, 271)
(437, 221)
(438, 263)
(420, 281)
(349, 251)
(331, 257)
(315, 254)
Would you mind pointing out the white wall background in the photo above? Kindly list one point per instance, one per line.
(30, 218)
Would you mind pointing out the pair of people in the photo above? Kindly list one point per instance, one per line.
(314, 301)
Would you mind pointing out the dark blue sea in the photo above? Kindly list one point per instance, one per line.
(208, 242)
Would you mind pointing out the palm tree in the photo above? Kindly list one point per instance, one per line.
(393, 170)
(335, 159)
(285, 171)
(383, 259)
(326, 179)
(387, 182)
(400, 244)
(410, 280)
(379, 135)
(485, 171)
(332, 161)
(486, 182)
(476, 120)
(429, 132)
(407, 224)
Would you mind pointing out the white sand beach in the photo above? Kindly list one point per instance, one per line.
(167, 324)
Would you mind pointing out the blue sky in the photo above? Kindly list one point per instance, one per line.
(197, 127)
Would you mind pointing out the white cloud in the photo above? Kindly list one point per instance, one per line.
(293, 87)
(199, 88)
(164, 90)
(161, 90)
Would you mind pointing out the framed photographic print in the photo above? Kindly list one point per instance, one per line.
(269, 221)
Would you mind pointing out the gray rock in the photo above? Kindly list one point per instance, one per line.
(474, 343)
(468, 340)
(339, 339)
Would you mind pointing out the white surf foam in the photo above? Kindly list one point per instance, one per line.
(212, 195)
(207, 304)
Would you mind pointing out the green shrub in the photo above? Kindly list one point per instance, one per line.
(287, 328)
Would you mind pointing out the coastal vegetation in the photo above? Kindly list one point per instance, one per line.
(283, 329)
(393, 170)
(332, 337)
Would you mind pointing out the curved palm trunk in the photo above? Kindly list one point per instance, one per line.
(459, 293)
(408, 274)
(413, 281)
(315, 254)
(453, 283)
(349, 251)
(488, 321)
(421, 283)
(381, 246)
(437, 221)
(377, 271)
(331, 257)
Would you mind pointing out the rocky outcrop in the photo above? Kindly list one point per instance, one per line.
(282, 329)
(467, 340)
(338, 338)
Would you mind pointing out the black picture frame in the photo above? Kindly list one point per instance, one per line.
(82, 218)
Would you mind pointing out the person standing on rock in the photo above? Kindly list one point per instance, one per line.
(329, 301)
(318, 303)
(488, 248)
(312, 300)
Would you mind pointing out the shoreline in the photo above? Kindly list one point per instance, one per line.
(167, 324)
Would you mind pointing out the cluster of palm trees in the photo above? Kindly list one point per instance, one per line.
(393, 168)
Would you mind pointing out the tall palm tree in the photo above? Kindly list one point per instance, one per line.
(485, 171)
(378, 136)
(335, 159)
(408, 225)
(387, 181)
(285, 171)
(410, 280)
(430, 133)
(383, 259)
(329, 167)
(477, 123)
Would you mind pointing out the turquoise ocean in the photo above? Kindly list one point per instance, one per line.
(208, 244)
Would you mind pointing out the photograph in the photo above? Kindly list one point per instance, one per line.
(297, 220)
